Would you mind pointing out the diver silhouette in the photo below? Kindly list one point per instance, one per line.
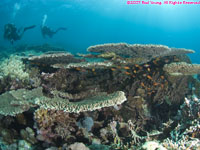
(12, 34)
(46, 31)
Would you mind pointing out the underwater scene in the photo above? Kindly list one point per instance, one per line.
(99, 75)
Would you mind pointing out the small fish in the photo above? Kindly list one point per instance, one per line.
(155, 83)
(146, 65)
(78, 69)
(127, 68)
(93, 70)
(162, 77)
(134, 71)
(144, 75)
(155, 62)
(136, 65)
(176, 59)
(149, 93)
(140, 67)
(148, 69)
(133, 76)
(127, 73)
(149, 77)
(142, 84)
(113, 69)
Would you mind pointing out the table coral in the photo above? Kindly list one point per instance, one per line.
(88, 104)
(16, 102)
(182, 68)
(148, 51)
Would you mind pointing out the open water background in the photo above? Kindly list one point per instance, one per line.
(91, 22)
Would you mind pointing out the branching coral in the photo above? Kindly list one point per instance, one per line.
(14, 68)
(187, 132)
(52, 124)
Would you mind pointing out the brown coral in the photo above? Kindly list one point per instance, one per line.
(182, 68)
(53, 124)
(147, 52)
(16, 102)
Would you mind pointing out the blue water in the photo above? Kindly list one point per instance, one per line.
(91, 22)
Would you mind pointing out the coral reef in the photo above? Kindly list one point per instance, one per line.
(182, 68)
(52, 58)
(16, 102)
(88, 65)
(54, 124)
(138, 50)
(14, 68)
(122, 98)
(78, 146)
(152, 145)
(90, 104)
(86, 122)
(28, 135)
(186, 133)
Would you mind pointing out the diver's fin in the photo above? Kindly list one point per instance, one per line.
(61, 28)
(30, 27)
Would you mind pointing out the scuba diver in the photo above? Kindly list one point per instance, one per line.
(12, 34)
(46, 31)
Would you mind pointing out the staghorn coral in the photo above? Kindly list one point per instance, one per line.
(14, 68)
(88, 104)
(138, 50)
(16, 102)
(186, 133)
(182, 68)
